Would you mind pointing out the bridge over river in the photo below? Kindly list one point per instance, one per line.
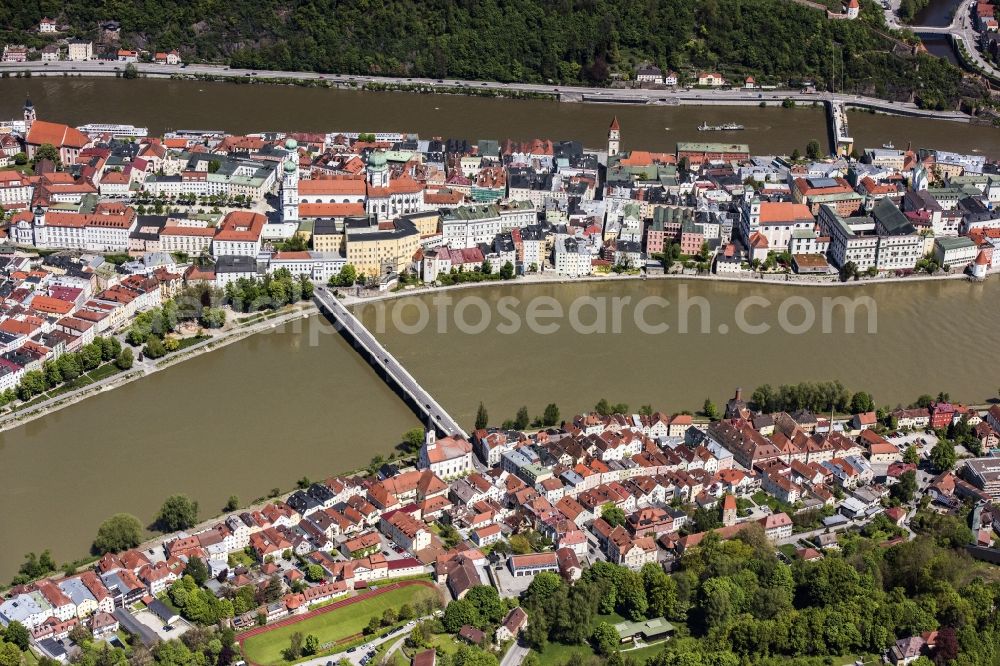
(422, 402)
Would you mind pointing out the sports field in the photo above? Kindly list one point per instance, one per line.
(343, 619)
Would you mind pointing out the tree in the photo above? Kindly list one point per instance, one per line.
(522, 419)
(613, 515)
(10, 655)
(813, 149)
(469, 655)
(274, 590)
(458, 614)
(80, 633)
(943, 456)
(710, 410)
(413, 439)
(605, 639)
(507, 271)
(47, 151)
(661, 591)
(347, 277)
(131, 71)
(542, 587)
(17, 633)
(20, 159)
(90, 355)
(706, 519)
(947, 648)
(487, 603)
(911, 456)
(232, 503)
(35, 566)
(602, 407)
(848, 270)
(178, 512)
(294, 649)
(862, 402)
(197, 569)
(905, 488)
(551, 415)
(119, 532)
(314, 573)
(311, 645)
(125, 359)
(482, 417)
(154, 347)
(796, 155)
(632, 596)
(212, 318)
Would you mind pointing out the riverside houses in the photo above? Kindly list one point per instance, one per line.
(113, 229)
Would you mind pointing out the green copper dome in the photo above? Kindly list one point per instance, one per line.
(377, 159)
(291, 144)
(290, 167)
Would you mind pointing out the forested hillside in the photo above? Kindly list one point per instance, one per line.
(566, 41)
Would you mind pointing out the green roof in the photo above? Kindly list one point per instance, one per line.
(398, 156)
(657, 626)
(955, 242)
(471, 213)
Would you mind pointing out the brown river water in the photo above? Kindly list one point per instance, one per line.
(164, 105)
(269, 409)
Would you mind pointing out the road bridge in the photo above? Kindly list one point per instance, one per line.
(419, 399)
(842, 143)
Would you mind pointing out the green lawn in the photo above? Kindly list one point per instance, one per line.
(103, 372)
(644, 653)
(557, 654)
(332, 626)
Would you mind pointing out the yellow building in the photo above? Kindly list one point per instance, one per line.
(378, 249)
(427, 222)
(328, 236)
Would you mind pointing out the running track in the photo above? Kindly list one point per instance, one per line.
(250, 633)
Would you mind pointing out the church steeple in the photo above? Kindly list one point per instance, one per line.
(614, 138)
(290, 183)
(29, 115)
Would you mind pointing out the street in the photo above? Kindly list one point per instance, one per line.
(515, 655)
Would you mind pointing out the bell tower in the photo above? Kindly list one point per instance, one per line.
(614, 138)
(290, 183)
(29, 115)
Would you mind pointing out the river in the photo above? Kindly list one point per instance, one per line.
(925, 334)
(273, 407)
(164, 104)
(254, 415)
(937, 13)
